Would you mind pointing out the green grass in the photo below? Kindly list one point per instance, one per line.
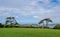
(28, 32)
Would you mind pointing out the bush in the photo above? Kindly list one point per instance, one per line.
(1, 26)
(7, 26)
(57, 26)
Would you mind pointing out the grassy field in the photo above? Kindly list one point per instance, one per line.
(28, 32)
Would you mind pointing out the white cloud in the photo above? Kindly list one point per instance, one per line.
(36, 17)
(38, 9)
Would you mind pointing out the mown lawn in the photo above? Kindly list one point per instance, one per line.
(28, 32)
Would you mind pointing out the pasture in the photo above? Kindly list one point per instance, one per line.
(28, 32)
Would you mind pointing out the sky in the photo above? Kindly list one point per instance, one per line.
(30, 11)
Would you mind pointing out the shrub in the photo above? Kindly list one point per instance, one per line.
(57, 26)
(1, 26)
(7, 26)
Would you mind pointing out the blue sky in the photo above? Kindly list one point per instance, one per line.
(30, 11)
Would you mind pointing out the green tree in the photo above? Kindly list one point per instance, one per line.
(11, 21)
(42, 21)
(1, 25)
(47, 21)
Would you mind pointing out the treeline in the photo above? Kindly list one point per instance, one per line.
(57, 26)
(18, 26)
(8, 26)
(12, 23)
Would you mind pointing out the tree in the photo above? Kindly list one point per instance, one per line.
(47, 20)
(42, 21)
(1, 26)
(11, 21)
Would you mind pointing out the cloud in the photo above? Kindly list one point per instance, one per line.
(30, 9)
(36, 17)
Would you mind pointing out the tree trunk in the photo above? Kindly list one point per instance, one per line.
(46, 23)
(43, 25)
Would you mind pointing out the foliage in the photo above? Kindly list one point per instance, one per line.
(57, 26)
(10, 20)
(1, 25)
(47, 20)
